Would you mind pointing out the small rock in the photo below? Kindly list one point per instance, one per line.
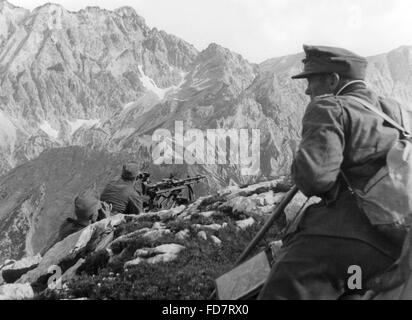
(7, 263)
(207, 214)
(162, 258)
(169, 248)
(216, 240)
(178, 210)
(202, 235)
(116, 220)
(16, 292)
(182, 235)
(105, 242)
(166, 253)
(269, 198)
(276, 247)
(170, 213)
(141, 253)
(159, 225)
(244, 224)
(267, 210)
(132, 263)
(154, 235)
(163, 253)
(23, 263)
(210, 227)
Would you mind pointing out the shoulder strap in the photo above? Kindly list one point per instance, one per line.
(405, 118)
(388, 119)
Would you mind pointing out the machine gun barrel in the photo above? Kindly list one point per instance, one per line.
(170, 183)
(170, 189)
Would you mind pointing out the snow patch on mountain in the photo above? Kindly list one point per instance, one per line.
(7, 131)
(150, 85)
(48, 129)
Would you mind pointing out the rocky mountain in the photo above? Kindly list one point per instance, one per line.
(38, 196)
(189, 239)
(81, 92)
(62, 70)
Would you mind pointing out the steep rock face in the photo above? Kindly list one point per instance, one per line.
(391, 74)
(62, 70)
(10, 18)
(100, 78)
(222, 90)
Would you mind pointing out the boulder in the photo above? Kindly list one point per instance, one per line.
(216, 240)
(159, 225)
(276, 247)
(242, 205)
(164, 214)
(207, 214)
(202, 235)
(244, 224)
(73, 247)
(166, 253)
(22, 291)
(182, 235)
(13, 270)
(209, 227)
(23, 263)
(160, 254)
(156, 234)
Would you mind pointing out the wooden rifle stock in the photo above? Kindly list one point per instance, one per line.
(275, 216)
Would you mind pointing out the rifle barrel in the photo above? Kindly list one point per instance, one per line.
(275, 215)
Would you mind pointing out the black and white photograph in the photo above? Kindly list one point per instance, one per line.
(222, 151)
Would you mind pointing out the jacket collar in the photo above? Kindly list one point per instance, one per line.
(77, 223)
(356, 84)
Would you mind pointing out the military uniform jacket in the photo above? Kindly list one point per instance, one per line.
(69, 227)
(340, 133)
(123, 197)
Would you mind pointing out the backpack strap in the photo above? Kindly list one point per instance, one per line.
(388, 119)
(405, 118)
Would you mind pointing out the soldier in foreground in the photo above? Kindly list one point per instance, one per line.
(122, 194)
(338, 134)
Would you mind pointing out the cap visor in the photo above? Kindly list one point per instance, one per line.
(303, 75)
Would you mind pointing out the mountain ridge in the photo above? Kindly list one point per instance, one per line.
(105, 81)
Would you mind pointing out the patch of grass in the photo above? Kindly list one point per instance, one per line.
(190, 276)
(132, 226)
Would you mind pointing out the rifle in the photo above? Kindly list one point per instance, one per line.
(169, 192)
(274, 217)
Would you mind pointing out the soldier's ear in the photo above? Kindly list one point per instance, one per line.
(333, 81)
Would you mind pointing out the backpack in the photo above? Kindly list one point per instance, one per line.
(387, 197)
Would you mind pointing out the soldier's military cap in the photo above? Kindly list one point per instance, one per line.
(324, 60)
(86, 204)
(130, 171)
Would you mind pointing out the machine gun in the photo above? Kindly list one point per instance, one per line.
(169, 192)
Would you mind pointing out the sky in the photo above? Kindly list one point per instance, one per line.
(263, 29)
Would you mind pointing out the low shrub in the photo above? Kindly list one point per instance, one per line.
(190, 276)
